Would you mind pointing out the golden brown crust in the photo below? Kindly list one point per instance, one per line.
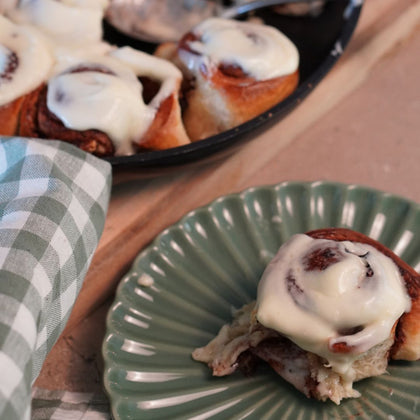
(407, 333)
(9, 117)
(221, 101)
(248, 97)
(27, 118)
(167, 129)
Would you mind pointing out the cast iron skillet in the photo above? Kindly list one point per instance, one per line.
(320, 41)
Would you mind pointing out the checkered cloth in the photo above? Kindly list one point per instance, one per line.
(53, 202)
(60, 405)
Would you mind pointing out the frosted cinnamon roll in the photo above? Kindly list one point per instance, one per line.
(237, 71)
(101, 106)
(332, 308)
(66, 21)
(72, 27)
(25, 63)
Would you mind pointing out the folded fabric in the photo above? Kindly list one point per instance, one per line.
(59, 405)
(53, 203)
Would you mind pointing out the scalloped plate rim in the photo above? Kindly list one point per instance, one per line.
(308, 185)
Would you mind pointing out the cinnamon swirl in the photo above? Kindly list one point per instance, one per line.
(25, 63)
(99, 105)
(237, 70)
(333, 307)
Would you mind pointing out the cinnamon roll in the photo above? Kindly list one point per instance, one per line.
(237, 70)
(25, 63)
(332, 308)
(100, 105)
(70, 21)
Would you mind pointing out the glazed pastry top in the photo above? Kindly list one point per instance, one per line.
(94, 87)
(260, 51)
(334, 299)
(99, 87)
(155, 68)
(104, 93)
(25, 60)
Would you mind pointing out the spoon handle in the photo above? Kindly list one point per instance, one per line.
(233, 11)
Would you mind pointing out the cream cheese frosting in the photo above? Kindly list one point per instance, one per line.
(147, 65)
(261, 51)
(354, 300)
(106, 96)
(67, 21)
(25, 60)
(110, 100)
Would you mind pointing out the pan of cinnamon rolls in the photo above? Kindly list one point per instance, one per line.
(66, 74)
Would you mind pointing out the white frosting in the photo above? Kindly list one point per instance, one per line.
(314, 308)
(153, 67)
(68, 55)
(261, 51)
(34, 60)
(68, 20)
(111, 103)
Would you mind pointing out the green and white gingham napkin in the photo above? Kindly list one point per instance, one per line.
(53, 203)
(60, 405)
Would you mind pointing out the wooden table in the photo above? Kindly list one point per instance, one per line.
(361, 125)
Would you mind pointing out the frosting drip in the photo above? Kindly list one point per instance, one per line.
(25, 60)
(261, 51)
(155, 68)
(334, 299)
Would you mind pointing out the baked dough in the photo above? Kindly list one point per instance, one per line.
(98, 103)
(240, 344)
(234, 71)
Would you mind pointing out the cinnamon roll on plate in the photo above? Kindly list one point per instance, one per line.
(25, 63)
(333, 307)
(100, 105)
(236, 70)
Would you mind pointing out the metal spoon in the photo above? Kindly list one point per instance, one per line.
(158, 21)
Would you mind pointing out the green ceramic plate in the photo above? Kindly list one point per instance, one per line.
(208, 264)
